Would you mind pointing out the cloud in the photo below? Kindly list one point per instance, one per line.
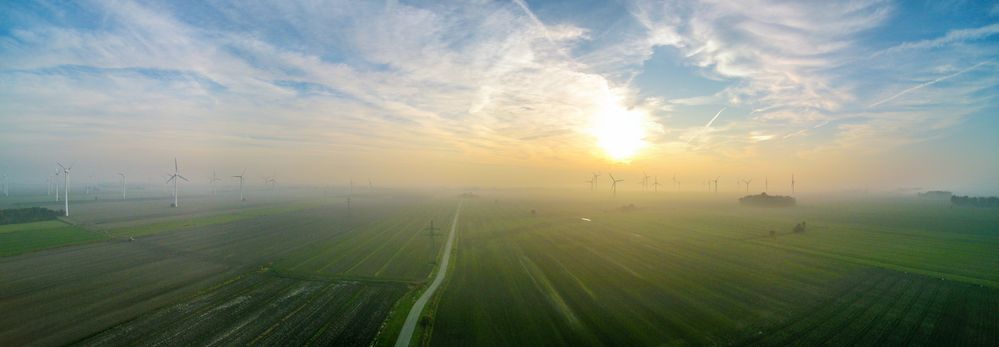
(952, 37)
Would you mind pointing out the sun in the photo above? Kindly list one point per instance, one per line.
(619, 132)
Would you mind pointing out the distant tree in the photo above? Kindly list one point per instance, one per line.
(27, 215)
(974, 201)
(799, 228)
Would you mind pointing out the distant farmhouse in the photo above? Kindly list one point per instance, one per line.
(767, 200)
(935, 194)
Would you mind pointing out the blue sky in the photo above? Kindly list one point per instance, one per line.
(505, 92)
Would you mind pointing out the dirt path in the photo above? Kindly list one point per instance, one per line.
(406, 334)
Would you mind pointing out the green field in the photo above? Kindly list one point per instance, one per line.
(669, 270)
(705, 272)
(28, 237)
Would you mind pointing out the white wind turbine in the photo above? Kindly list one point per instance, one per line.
(122, 174)
(240, 177)
(5, 193)
(174, 177)
(272, 181)
(614, 182)
(213, 180)
(56, 183)
(65, 176)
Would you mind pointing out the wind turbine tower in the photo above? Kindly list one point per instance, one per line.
(122, 174)
(792, 184)
(174, 177)
(655, 184)
(56, 185)
(65, 176)
(5, 193)
(747, 182)
(272, 181)
(240, 177)
(596, 181)
(213, 180)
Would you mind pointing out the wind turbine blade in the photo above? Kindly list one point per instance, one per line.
(175, 165)
(60, 165)
(244, 172)
(182, 177)
(171, 178)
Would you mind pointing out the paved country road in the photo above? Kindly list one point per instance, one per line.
(414, 314)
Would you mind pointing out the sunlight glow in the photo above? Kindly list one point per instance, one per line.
(619, 132)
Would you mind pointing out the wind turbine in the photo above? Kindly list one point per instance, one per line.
(655, 184)
(596, 181)
(5, 193)
(716, 184)
(614, 182)
(174, 177)
(766, 184)
(56, 185)
(270, 180)
(645, 181)
(241, 198)
(792, 184)
(370, 186)
(122, 185)
(212, 181)
(590, 181)
(676, 184)
(747, 182)
(65, 176)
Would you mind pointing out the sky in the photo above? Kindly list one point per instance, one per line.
(880, 95)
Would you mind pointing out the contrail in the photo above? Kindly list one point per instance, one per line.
(706, 126)
(535, 19)
(893, 97)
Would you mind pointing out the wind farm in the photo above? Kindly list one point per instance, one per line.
(517, 147)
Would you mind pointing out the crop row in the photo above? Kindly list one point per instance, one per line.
(263, 309)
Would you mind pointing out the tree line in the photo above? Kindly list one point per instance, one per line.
(975, 201)
(27, 215)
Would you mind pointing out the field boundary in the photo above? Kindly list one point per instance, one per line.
(409, 326)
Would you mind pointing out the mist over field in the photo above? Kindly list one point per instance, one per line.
(499, 173)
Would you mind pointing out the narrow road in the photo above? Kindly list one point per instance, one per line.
(406, 334)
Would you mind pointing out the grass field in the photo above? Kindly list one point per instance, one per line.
(705, 272)
(672, 270)
(28, 237)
